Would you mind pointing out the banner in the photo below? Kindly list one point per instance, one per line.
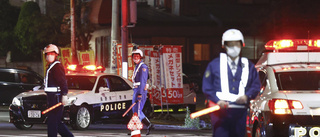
(66, 58)
(172, 66)
(155, 77)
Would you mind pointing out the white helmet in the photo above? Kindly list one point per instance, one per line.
(232, 35)
(50, 48)
(137, 51)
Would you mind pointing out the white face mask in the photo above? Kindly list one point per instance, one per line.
(50, 58)
(233, 51)
(136, 61)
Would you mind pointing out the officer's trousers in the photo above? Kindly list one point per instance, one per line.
(142, 102)
(229, 122)
(55, 125)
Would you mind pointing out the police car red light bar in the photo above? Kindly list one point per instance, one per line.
(293, 44)
(76, 68)
(72, 67)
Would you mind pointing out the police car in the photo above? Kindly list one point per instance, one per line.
(289, 100)
(93, 97)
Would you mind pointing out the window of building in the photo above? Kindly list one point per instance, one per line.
(201, 52)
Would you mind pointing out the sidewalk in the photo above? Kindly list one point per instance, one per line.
(4, 108)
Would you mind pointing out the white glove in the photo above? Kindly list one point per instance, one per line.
(64, 99)
(223, 104)
(242, 100)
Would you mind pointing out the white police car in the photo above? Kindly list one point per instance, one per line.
(93, 97)
(289, 99)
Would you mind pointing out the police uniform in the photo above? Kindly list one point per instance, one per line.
(140, 77)
(219, 83)
(55, 87)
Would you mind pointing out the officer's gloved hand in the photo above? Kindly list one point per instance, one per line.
(242, 100)
(223, 104)
(64, 99)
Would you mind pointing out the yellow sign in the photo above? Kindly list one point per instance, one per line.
(86, 57)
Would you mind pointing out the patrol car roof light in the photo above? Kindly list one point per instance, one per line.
(93, 68)
(72, 67)
(77, 68)
(293, 44)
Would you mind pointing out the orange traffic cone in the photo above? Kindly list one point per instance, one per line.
(135, 126)
(135, 133)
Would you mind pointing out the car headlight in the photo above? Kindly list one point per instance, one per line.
(16, 101)
(71, 101)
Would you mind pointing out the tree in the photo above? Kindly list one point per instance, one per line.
(34, 31)
(8, 19)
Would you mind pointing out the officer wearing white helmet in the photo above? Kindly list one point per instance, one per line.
(139, 78)
(56, 89)
(230, 80)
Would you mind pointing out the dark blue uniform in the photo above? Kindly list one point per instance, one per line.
(229, 122)
(55, 79)
(141, 77)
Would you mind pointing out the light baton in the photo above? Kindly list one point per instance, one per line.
(211, 109)
(125, 113)
(53, 107)
(204, 111)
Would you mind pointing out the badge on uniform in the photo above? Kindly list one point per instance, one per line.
(144, 69)
(207, 73)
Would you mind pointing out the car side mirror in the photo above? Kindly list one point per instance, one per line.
(36, 88)
(104, 89)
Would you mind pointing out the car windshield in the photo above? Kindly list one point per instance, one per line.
(81, 82)
(298, 80)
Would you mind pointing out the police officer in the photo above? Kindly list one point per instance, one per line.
(56, 89)
(230, 79)
(139, 78)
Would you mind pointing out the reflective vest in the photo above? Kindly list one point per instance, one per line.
(135, 73)
(50, 89)
(225, 94)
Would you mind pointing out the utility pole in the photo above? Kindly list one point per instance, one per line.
(114, 36)
(73, 33)
(124, 37)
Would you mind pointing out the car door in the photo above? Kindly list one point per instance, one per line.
(27, 81)
(9, 87)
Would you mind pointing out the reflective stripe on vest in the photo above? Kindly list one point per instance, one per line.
(225, 94)
(47, 74)
(135, 73)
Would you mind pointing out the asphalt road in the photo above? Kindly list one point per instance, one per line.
(172, 126)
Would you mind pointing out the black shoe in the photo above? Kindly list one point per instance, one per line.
(148, 124)
(150, 127)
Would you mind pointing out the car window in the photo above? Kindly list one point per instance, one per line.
(118, 84)
(103, 83)
(7, 76)
(298, 80)
(263, 80)
(81, 82)
(28, 78)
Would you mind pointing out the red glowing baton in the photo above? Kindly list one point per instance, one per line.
(212, 109)
(53, 107)
(125, 113)
(204, 111)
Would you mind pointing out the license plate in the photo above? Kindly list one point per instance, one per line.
(34, 114)
(305, 131)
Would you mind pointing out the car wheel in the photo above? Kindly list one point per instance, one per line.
(22, 126)
(256, 130)
(82, 118)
